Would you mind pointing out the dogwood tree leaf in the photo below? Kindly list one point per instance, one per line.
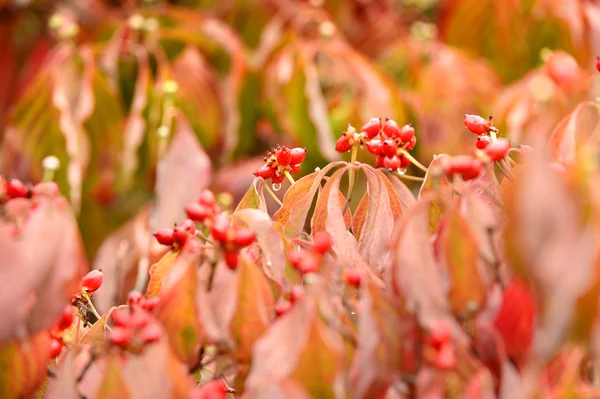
(253, 199)
(96, 335)
(113, 383)
(436, 182)
(312, 356)
(178, 311)
(158, 271)
(254, 313)
(460, 256)
(36, 285)
(382, 333)
(183, 172)
(319, 219)
(25, 365)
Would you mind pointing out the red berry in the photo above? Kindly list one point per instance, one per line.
(212, 390)
(180, 236)
(476, 124)
(407, 133)
(284, 156)
(151, 333)
(92, 281)
(321, 242)
(295, 258)
(295, 168)
(50, 189)
(391, 129)
(404, 162)
(473, 171)
(296, 293)
(56, 347)
(482, 142)
(220, 229)
(379, 161)
(244, 237)
(342, 145)
(598, 64)
(135, 298)
(411, 143)
(440, 335)
(389, 148)
(188, 225)
(198, 212)
(282, 307)
(457, 165)
(372, 127)
(497, 150)
(16, 189)
(66, 318)
(120, 336)
(265, 172)
(207, 198)
(352, 276)
(374, 146)
(139, 318)
(277, 179)
(310, 264)
(298, 155)
(231, 259)
(392, 163)
(151, 303)
(446, 357)
(121, 317)
(164, 236)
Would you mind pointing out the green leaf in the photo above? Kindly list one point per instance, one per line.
(113, 383)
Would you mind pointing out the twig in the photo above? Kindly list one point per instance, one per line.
(91, 305)
(408, 177)
(413, 160)
(289, 177)
(272, 194)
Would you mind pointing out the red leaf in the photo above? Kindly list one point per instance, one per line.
(183, 172)
(36, 285)
(113, 383)
(158, 271)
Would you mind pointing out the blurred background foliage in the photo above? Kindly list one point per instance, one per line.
(84, 80)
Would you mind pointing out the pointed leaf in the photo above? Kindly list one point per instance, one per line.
(158, 271)
(177, 310)
(254, 199)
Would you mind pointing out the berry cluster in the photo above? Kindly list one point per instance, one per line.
(178, 236)
(309, 261)
(56, 334)
(204, 209)
(231, 240)
(135, 327)
(15, 188)
(216, 389)
(285, 305)
(279, 161)
(391, 148)
(488, 149)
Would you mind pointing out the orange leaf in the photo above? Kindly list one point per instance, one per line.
(178, 311)
(158, 271)
(24, 365)
(113, 384)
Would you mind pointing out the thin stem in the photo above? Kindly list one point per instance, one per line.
(511, 161)
(493, 135)
(408, 177)
(413, 160)
(272, 194)
(48, 175)
(289, 177)
(91, 305)
(505, 172)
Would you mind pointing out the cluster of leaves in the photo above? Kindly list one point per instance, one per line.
(479, 279)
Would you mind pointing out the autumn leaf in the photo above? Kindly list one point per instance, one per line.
(158, 271)
(459, 254)
(253, 199)
(254, 312)
(383, 337)
(24, 363)
(298, 200)
(36, 285)
(177, 310)
(113, 384)
(436, 182)
(320, 215)
(312, 355)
